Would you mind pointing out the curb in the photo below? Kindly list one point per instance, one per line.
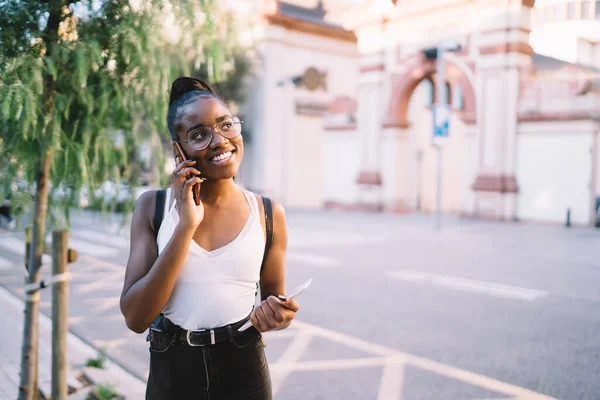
(79, 345)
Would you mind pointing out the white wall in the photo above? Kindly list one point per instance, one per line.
(341, 162)
(554, 173)
(291, 169)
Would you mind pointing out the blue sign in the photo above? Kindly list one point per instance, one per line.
(441, 120)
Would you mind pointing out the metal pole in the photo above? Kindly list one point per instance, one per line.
(60, 300)
(441, 100)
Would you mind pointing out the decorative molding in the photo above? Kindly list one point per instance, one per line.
(310, 28)
(506, 48)
(349, 127)
(557, 116)
(360, 207)
(372, 68)
(369, 178)
(396, 124)
(496, 183)
(529, 3)
(507, 30)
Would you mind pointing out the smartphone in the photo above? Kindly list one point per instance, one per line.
(182, 157)
(294, 294)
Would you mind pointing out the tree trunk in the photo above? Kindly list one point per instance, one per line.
(28, 389)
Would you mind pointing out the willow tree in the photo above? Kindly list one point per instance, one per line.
(81, 84)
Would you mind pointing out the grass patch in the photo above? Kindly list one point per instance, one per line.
(97, 362)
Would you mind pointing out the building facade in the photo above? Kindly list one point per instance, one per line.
(352, 127)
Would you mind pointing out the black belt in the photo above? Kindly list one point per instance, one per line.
(207, 337)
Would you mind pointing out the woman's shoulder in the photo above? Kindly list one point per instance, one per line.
(146, 203)
(276, 206)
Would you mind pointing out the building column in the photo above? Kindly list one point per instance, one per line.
(369, 124)
(505, 54)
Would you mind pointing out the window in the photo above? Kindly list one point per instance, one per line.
(571, 10)
(458, 100)
(429, 92)
(585, 10)
(598, 10)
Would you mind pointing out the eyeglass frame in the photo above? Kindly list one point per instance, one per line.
(213, 128)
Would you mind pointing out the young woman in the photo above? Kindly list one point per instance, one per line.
(195, 278)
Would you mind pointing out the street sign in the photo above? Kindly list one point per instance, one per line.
(441, 120)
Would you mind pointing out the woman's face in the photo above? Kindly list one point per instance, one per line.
(207, 111)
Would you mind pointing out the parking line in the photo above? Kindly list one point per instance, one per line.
(392, 380)
(292, 354)
(17, 246)
(411, 360)
(469, 285)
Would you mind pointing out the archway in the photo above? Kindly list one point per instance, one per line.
(409, 110)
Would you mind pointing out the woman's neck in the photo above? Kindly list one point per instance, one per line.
(214, 191)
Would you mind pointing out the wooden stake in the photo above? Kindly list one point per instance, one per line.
(60, 303)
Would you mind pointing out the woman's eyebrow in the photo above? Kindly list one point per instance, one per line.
(221, 118)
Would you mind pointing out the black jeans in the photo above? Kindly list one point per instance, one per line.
(232, 370)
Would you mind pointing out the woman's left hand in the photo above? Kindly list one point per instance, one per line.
(274, 314)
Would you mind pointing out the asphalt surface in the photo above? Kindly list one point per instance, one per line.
(478, 310)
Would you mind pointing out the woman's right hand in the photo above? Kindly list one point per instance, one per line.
(185, 177)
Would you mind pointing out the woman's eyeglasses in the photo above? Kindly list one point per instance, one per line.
(200, 138)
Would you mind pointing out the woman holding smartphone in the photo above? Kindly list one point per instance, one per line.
(194, 280)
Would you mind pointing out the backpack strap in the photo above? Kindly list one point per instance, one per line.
(159, 209)
(269, 227)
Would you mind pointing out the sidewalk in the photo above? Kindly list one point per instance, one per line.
(78, 353)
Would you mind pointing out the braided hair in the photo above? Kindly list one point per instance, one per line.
(184, 91)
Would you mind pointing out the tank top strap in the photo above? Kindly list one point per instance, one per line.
(251, 199)
(170, 202)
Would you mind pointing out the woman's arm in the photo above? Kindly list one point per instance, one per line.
(149, 278)
(272, 313)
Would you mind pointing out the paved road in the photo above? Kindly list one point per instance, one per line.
(480, 310)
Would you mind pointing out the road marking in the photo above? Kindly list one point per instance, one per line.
(327, 365)
(104, 303)
(114, 280)
(469, 285)
(392, 380)
(17, 246)
(86, 247)
(415, 361)
(92, 265)
(291, 355)
(103, 238)
(6, 263)
(313, 259)
(300, 238)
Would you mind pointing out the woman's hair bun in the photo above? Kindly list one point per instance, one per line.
(185, 85)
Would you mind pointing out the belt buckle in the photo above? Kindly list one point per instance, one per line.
(188, 334)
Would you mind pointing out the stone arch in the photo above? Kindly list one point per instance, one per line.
(404, 85)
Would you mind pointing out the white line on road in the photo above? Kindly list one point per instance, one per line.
(313, 259)
(102, 304)
(103, 238)
(6, 263)
(327, 365)
(469, 285)
(392, 380)
(86, 247)
(291, 355)
(17, 246)
(420, 362)
(114, 280)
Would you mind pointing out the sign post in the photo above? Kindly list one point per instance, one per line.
(441, 118)
(441, 128)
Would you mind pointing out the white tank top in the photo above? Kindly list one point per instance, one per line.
(215, 288)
